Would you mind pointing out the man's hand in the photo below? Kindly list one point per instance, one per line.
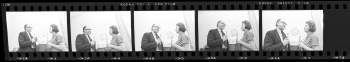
(34, 39)
(224, 38)
(93, 43)
(285, 41)
(239, 41)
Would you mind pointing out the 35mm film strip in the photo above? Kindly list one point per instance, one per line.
(228, 30)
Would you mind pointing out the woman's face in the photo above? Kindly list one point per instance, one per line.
(306, 28)
(50, 30)
(177, 29)
(243, 27)
(110, 31)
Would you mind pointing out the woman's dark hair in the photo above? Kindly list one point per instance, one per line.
(312, 26)
(114, 29)
(54, 28)
(181, 26)
(247, 24)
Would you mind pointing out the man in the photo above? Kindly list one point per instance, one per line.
(151, 40)
(216, 39)
(84, 43)
(26, 40)
(276, 40)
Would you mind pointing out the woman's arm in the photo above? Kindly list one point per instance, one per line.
(185, 48)
(314, 44)
(245, 44)
(187, 45)
(247, 40)
(61, 45)
(302, 45)
(119, 47)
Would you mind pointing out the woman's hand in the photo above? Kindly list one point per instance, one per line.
(302, 45)
(239, 41)
(174, 45)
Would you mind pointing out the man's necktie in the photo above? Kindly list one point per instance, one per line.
(222, 33)
(225, 42)
(94, 46)
(30, 35)
(89, 38)
(160, 44)
(157, 37)
(284, 36)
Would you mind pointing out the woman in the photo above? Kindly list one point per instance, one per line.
(246, 41)
(117, 43)
(56, 43)
(311, 40)
(183, 42)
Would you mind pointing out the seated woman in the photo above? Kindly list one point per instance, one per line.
(117, 43)
(56, 43)
(183, 42)
(246, 41)
(311, 41)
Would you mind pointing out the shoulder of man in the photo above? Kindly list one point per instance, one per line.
(22, 32)
(212, 30)
(271, 31)
(148, 33)
(79, 35)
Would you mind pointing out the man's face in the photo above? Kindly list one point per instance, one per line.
(155, 29)
(281, 25)
(28, 28)
(87, 30)
(221, 26)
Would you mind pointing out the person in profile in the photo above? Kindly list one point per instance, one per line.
(84, 43)
(117, 42)
(311, 42)
(26, 40)
(246, 41)
(276, 40)
(56, 43)
(216, 39)
(151, 40)
(183, 41)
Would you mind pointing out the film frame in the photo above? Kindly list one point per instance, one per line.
(338, 8)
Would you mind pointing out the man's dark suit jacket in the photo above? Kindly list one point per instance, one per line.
(82, 43)
(148, 42)
(272, 41)
(214, 41)
(25, 44)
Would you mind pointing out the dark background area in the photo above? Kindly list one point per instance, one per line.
(336, 18)
(336, 29)
(21, 1)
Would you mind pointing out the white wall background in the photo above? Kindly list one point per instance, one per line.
(208, 20)
(295, 20)
(40, 22)
(167, 21)
(100, 21)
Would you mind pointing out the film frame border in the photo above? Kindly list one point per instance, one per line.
(161, 55)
